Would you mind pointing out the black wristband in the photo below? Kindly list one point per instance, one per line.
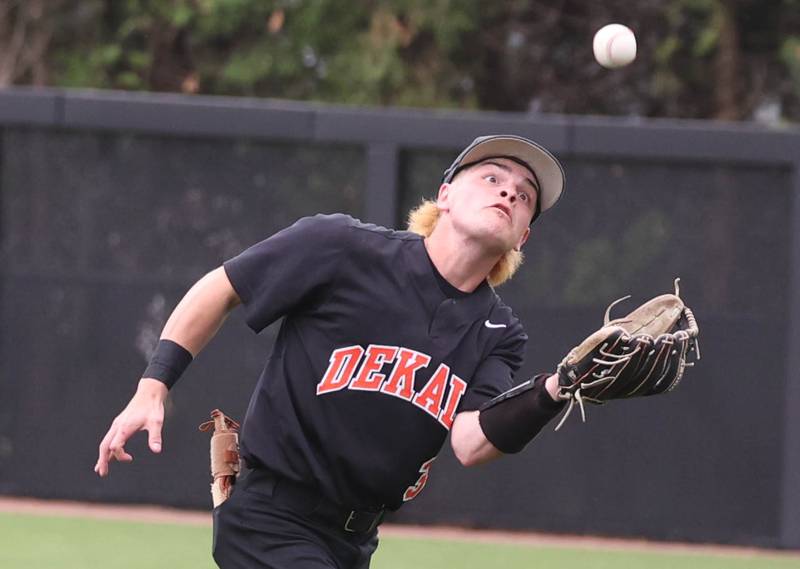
(169, 361)
(512, 419)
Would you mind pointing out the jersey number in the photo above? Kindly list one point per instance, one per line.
(413, 491)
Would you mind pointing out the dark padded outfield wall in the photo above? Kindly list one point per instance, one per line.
(102, 235)
(112, 205)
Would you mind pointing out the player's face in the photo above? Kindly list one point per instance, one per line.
(495, 199)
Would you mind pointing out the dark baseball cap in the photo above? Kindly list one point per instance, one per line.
(546, 169)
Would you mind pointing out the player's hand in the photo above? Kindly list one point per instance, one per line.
(144, 412)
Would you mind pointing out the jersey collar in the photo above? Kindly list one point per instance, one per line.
(473, 306)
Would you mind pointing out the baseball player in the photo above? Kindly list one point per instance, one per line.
(390, 341)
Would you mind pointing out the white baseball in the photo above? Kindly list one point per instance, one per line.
(614, 46)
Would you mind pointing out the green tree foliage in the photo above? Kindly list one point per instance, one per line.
(360, 52)
(726, 59)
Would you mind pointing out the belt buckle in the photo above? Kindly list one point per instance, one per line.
(376, 519)
(350, 518)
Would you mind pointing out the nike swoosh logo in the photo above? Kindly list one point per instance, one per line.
(490, 325)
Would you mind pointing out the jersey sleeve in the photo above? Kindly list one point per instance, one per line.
(289, 269)
(495, 374)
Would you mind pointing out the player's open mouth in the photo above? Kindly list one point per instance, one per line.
(503, 208)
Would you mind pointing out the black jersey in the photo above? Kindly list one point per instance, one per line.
(373, 359)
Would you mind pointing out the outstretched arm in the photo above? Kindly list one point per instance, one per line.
(196, 319)
(468, 439)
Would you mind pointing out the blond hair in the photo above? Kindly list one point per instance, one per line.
(422, 219)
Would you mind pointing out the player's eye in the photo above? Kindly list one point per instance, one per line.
(491, 178)
(524, 197)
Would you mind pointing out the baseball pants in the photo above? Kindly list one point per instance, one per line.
(270, 523)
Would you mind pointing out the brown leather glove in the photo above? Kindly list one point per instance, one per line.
(224, 455)
(644, 353)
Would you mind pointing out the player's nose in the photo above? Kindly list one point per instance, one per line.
(511, 197)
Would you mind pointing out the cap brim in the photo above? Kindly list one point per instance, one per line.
(545, 166)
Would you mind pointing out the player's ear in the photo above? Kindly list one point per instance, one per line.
(523, 239)
(443, 197)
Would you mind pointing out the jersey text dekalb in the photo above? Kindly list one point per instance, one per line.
(348, 370)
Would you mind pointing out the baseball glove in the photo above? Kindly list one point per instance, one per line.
(224, 455)
(644, 353)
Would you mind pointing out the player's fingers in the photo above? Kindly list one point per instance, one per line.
(101, 467)
(154, 434)
(122, 456)
(117, 445)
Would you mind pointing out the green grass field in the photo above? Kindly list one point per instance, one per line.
(37, 542)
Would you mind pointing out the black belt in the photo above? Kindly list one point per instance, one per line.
(302, 497)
